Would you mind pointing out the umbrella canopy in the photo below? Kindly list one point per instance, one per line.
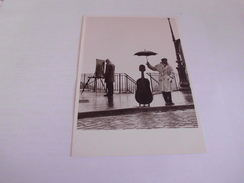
(145, 53)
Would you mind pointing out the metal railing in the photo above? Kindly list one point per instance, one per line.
(123, 83)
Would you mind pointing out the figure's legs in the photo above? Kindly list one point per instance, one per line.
(107, 89)
(165, 97)
(110, 89)
(169, 98)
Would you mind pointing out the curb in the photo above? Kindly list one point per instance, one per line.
(115, 112)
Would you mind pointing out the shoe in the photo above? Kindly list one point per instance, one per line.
(171, 103)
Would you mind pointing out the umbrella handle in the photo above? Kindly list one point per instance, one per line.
(146, 56)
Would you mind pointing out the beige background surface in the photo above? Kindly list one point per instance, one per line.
(39, 45)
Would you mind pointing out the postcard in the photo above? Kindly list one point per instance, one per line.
(133, 94)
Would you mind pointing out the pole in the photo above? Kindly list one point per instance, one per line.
(181, 66)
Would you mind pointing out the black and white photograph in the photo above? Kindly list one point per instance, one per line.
(133, 76)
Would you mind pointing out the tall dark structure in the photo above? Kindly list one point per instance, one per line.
(181, 67)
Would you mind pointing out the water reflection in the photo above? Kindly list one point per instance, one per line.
(110, 102)
(97, 102)
(187, 96)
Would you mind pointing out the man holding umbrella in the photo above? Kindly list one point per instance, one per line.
(166, 76)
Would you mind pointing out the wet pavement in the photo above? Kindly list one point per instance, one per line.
(185, 118)
(92, 101)
(121, 112)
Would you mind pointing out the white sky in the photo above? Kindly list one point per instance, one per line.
(119, 38)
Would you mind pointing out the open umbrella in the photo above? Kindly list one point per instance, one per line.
(145, 53)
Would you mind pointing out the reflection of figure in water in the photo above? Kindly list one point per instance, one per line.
(109, 77)
(166, 76)
(110, 102)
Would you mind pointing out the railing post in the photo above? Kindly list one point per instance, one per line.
(95, 84)
(126, 82)
(84, 80)
(119, 83)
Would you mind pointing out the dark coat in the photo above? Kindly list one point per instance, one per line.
(109, 73)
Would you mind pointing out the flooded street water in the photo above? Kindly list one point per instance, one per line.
(91, 101)
(143, 120)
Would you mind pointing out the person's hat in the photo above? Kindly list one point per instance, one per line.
(164, 60)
